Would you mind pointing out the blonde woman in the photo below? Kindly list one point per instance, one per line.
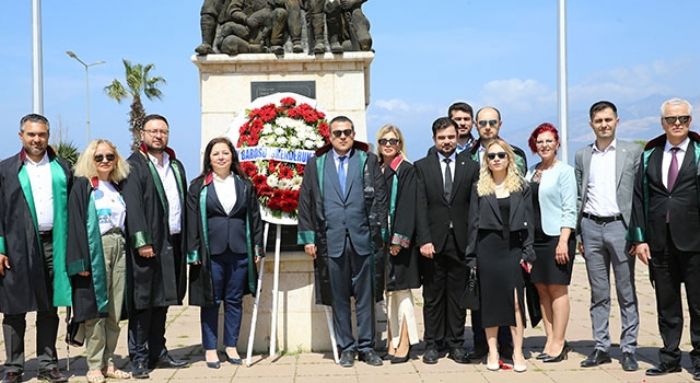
(96, 256)
(402, 272)
(500, 235)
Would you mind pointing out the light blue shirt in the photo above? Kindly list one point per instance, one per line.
(557, 195)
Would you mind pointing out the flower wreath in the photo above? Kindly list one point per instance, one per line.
(298, 129)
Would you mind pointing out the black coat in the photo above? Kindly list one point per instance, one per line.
(26, 286)
(402, 269)
(312, 219)
(85, 253)
(158, 281)
(198, 256)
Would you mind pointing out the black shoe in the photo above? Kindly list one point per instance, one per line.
(401, 359)
(12, 377)
(52, 375)
(431, 356)
(167, 361)
(370, 357)
(663, 369)
(629, 362)
(563, 355)
(596, 358)
(215, 365)
(542, 356)
(478, 354)
(347, 358)
(139, 371)
(459, 355)
(696, 374)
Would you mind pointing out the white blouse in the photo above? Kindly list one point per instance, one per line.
(226, 191)
(110, 206)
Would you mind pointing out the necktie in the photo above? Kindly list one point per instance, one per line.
(672, 169)
(341, 173)
(448, 179)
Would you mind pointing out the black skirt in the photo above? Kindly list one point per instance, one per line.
(545, 269)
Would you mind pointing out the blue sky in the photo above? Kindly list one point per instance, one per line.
(428, 55)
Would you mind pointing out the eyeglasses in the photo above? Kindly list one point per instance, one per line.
(483, 123)
(388, 141)
(102, 157)
(672, 119)
(155, 132)
(500, 155)
(543, 142)
(340, 133)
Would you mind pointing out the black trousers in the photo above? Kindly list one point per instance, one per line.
(147, 335)
(444, 281)
(14, 326)
(670, 268)
(351, 275)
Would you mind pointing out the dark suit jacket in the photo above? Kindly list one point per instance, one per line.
(226, 231)
(485, 214)
(434, 212)
(652, 200)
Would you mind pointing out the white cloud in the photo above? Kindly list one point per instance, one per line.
(518, 95)
(392, 105)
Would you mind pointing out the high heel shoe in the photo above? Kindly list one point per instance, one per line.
(563, 355)
(493, 366)
(401, 359)
(542, 356)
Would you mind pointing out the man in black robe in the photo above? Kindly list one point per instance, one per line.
(34, 186)
(154, 194)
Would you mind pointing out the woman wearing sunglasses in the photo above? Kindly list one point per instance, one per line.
(96, 256)
(402, 273)
(554, 197)
(225, 244)
(500, 236)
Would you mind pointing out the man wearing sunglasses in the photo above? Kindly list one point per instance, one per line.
(664, 230)
(34, 185)
(605, 173)
(154, 193)
(488, 122)
(444, 183)
(342, 214)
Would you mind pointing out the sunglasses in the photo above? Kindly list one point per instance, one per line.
(388, 141)
(500, 155)
(483, 123)
(340, 133)
(672, 119)
(102, 157)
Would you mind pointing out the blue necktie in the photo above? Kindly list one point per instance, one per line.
(341, 173)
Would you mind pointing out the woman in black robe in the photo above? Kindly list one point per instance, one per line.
(224, 246)
(402, 273)
(96, 257)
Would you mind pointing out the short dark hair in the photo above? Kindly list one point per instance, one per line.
(462, 107)
(498, 112)
(600, 105)
(151, 117)
(33, 117)
(342, 119)
(443, 123)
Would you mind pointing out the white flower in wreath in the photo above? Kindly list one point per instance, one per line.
(283, 183)
(279, 131)
(281, 140)
(267, 129)
(296, 182)
(308, 144)
(273, 180)
(294, 142)
(320, 143)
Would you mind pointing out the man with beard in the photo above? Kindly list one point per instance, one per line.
(154, 194)
(444, 184)
(488, 120)
(34, 187)
(462, 114)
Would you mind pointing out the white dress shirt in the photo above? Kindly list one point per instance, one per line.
(42, 190)
(110, 206)
(167, 178)
(666, 162)
(601, 193)
(226, 191)
(453, 158)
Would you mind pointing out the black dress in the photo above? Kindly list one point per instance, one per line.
(546, 270)
(498, 256)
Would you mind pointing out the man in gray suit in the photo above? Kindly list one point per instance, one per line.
(605, 172)
(342, 214)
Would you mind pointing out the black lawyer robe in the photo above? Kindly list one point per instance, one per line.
(25, 287)
(159, 281)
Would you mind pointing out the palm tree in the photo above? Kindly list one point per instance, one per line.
(138, 81)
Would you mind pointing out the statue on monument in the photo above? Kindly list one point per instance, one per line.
(260, 26)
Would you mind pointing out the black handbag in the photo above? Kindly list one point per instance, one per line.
(471, 299)
(75, 331)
